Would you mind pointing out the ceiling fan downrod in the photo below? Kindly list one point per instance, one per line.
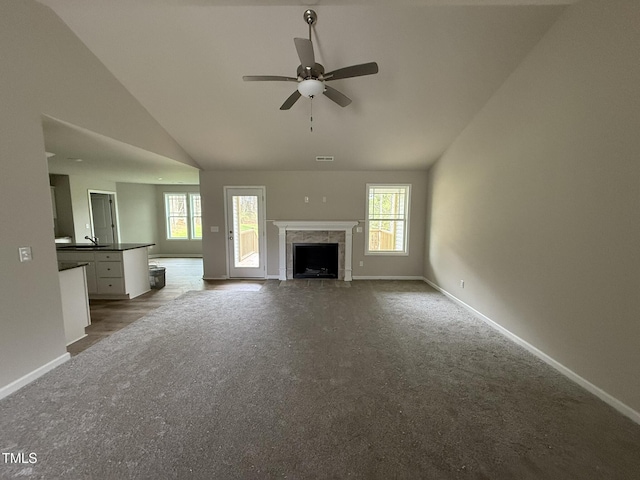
(310, 17)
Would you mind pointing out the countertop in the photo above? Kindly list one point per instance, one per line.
(112, 247)
(69, 265)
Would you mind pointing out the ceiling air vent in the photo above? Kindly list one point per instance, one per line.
(324, 158)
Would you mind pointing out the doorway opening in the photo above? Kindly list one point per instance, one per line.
(245, 222)
(104, 218)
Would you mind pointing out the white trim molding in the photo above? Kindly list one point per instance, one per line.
(621, 407)
(315, 225)
(389, 277)
(31, 376)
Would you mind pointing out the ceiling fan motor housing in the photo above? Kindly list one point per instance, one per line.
(315, 72)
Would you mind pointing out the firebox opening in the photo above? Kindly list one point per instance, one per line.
(315, 260)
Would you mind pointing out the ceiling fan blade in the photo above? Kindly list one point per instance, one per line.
(340, 98)
(352, 71)
(304, 48)
(288, 103)
(268, 78)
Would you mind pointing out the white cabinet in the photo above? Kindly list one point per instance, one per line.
(113, 274)
(82, 257)
(110, 273)
(111, 286)
(109, 269)
(75, 304)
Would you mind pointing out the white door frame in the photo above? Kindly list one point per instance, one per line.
(261, 271)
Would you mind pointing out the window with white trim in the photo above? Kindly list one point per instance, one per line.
(196, 215)
(387, 226)
(183, 214)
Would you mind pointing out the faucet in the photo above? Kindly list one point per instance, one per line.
(93, 240)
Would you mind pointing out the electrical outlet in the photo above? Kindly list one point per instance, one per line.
(461, 283)
(306, 199)
(361, 263)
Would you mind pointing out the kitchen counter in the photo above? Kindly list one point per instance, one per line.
(112, 247)
(117, 271)
(62, 266)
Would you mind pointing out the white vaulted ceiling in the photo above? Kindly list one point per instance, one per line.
(439, 64)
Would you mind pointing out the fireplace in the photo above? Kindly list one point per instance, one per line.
(314, 231)
(315, 260)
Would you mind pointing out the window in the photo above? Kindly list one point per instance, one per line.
(387, 219)
(196, 215)
(184, 216)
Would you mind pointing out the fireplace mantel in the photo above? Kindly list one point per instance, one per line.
(315, 225)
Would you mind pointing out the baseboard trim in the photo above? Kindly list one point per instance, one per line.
(609, 399)
(387, 277)
(175, 255)
(31, 376)
(268, 277)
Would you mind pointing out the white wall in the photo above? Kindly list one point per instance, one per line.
(137, 214)
(187, 248)
(47, 70)
(64, 220)
(536, 204)
(80, 201)
(142, 218)
(285, 192)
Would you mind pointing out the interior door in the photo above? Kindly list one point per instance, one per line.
(245, 231)
(103, 217)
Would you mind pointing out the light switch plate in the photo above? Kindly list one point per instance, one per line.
(215, 229)
(25, 254)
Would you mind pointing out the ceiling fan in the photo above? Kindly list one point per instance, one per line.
(311, 76)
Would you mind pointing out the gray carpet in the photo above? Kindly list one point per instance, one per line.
(380, 380)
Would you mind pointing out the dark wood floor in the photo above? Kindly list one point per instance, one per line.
(181, 275)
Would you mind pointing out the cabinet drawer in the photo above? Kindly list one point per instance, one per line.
(108, 256)
(111, 285)
(109, 269)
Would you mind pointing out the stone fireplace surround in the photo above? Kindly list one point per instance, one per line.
(315, 231)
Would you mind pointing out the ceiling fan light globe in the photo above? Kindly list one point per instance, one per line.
(311, 87)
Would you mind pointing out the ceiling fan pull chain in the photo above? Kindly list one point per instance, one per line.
(311, 114)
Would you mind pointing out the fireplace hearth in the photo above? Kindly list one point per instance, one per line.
(315, 260)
